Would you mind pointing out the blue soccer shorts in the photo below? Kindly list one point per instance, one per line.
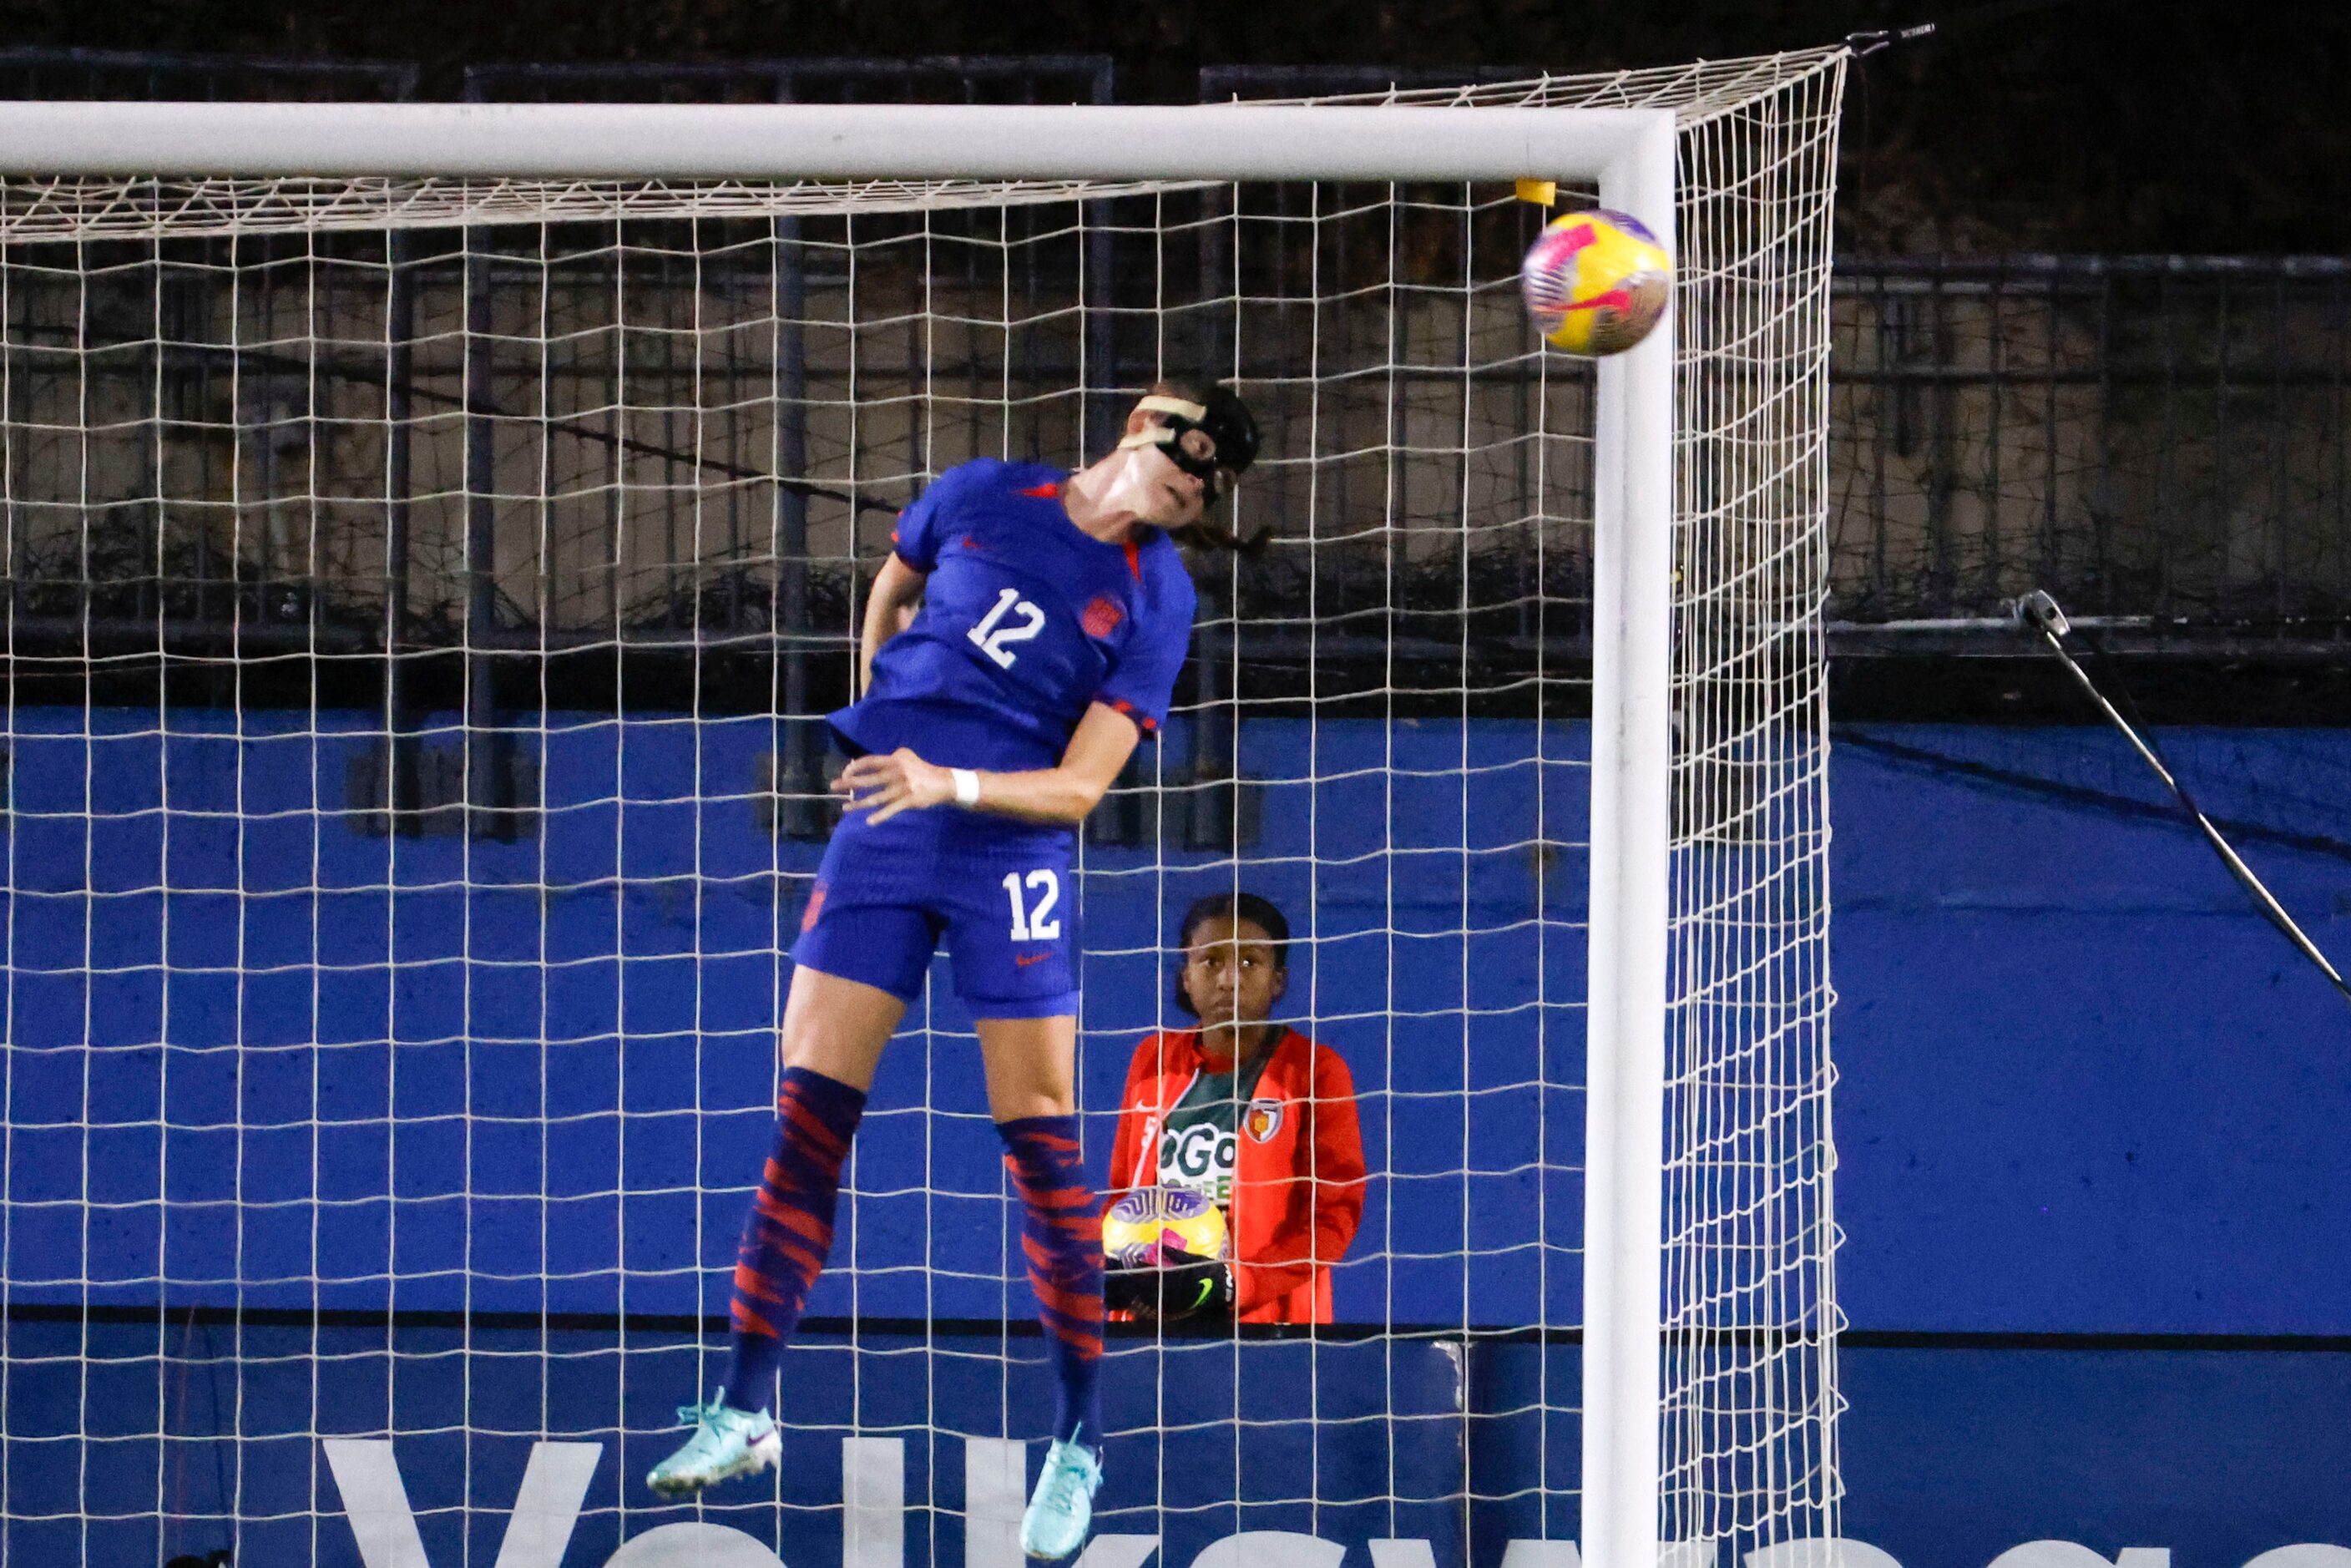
(996, 893)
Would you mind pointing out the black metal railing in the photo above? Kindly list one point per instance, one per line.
(937, 78)
(2160, 437)
(131, 75)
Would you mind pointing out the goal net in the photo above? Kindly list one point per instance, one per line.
(421, 598)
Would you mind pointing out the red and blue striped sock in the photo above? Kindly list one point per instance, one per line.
(1061, 1234)
(790, 1228)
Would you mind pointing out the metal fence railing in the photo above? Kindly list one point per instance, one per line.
(2162, 436)
(133, 75)
(939, 79)
(2165, 436)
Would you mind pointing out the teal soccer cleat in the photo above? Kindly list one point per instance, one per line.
(1063, 1506)
(726, 1442)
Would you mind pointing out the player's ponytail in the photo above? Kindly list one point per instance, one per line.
(1206, 535)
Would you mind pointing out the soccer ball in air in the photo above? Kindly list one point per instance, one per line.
(1145, 1225)
(1595, 282)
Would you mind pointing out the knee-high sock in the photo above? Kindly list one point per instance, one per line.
(790, 1228)
(1061, 1234)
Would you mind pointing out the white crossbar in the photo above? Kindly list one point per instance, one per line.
(852, 141)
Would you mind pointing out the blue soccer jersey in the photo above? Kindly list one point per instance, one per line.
(1026, 621)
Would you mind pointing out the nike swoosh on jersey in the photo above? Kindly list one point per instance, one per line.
(1023, 960)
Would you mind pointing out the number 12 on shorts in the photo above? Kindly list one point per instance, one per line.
(1035, 926)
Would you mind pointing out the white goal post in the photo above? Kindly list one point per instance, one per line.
(1102, 143)
(1661, 568)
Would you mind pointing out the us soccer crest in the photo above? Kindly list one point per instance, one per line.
(1262, 1119)
(1102, 617)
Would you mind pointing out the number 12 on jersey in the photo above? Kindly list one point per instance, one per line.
(995, 640)
(1034, 926)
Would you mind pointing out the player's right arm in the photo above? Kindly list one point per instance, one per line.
(914, 554)
(897, 588)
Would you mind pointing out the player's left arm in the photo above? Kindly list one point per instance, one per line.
(1133, 699)
(1061, 796)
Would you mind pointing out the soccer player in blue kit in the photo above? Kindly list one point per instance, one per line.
(1055, 613)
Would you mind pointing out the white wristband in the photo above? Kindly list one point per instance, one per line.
(966, 785)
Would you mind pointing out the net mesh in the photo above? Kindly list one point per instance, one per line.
(1751, 1298)
(420, 601)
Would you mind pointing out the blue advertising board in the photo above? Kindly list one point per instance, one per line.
(367, 1091)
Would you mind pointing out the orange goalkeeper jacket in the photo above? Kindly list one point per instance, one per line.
(1298, 1175)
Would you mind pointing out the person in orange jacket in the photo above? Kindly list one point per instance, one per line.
(1251, 1113)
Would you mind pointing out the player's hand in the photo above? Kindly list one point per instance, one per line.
(1190, 1285)
(1184, 1285)
(886, 786)
(1134, 1291)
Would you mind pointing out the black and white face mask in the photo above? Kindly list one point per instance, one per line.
(1212, 444)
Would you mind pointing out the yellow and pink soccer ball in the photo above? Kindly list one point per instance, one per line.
(1596, 282)
(1146, 1225)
